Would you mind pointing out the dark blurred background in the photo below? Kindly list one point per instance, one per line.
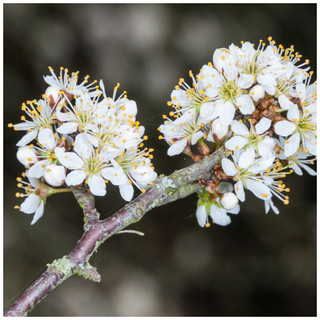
(260, 265)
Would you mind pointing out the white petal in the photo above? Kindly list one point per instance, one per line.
(218, 130)
(245, 104)
(30, 204)
(46, 138)
(75, 177)
(239, 128)
(219, 216)
(292, 144)
(83, 146)
(177, 148)
(202, 216)
(185, 117)
(63, 116)
(115, 175)
(196, 136)
(238, 188)
(263, 125)
(110, 153)
(311, 143)
(226, 113)
(293, 113)
(24, 125)
(209, 111)
(273, 207)
(33, 181)
(246, 80)
(236, 210)
(39, 213)
(246, 158)
(259, 189)
(70, 160)
(59, 151)
(126, 191)
(284, 102)
(97, 185)
(27, 138)
(296, 169)
(228, 167)
(268, 204)
(266, 146)
(236, 143)
(37, 170)
(131, 108)
(68, 127)
(143, 175)
(284, 128)
(266, 80)
(308, 169)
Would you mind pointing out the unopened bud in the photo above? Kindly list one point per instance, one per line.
(257, 92)
(229, 201)
(54, 175)
(219, 130)
(26, 156)
(52, 93)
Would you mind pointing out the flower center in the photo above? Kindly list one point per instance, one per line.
(197, 99)
(229, 91)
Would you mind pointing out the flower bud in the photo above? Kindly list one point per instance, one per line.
(257, 92)
(219, 130)
(52, 93)
(26, 156)
(229, 201)
(54, 175)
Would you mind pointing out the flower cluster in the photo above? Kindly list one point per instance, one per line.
(81, 137)
(260, 105)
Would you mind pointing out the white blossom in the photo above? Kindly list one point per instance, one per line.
(70, 85)
(85, 165)
(178, 134)
(300, 128)
(42, 116)
(34, 202)
(253, 142)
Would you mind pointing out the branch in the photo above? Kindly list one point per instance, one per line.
(86, 202)
(164, 190)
